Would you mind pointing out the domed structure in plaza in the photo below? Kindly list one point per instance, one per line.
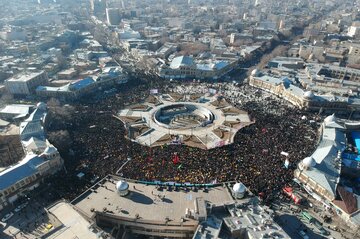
(330, 119)
(122, 187)
(255, 72)
(239, 190)
(307, 163)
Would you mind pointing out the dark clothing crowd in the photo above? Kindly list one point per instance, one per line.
(99, 147)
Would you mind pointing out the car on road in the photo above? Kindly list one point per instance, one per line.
(303, 234)
(21, 207)
(319, 226)
(7, 217)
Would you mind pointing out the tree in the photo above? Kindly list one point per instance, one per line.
(60, 139)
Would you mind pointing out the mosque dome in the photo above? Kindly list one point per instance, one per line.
(309, 94)
(255, 72)
(308, 162)
(239, 188)
(41, 106)
(330, 119)
(122, 186)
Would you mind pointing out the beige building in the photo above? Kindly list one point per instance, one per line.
(306, 100)
(173, 210)
(354, 54)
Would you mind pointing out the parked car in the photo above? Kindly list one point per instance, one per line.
(321, 229)
(303, 234)
(7, 217)
(20, 207)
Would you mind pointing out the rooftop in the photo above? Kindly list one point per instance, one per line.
(16, 109)
(179, 61)
(146, 201)
(25, 76)
(326, 172)
(74, 225)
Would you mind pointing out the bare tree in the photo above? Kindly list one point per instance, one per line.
(60, 139)
(278, 51)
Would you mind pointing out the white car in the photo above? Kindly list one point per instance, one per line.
(20, 207)
(7, 217)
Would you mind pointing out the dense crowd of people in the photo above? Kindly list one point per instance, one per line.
(255, 158)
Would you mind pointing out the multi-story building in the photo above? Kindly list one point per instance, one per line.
(26, 83)
(354, 54)
(354, 30)
(320, 174)
(166, 210)
(109, 77)
(184, 67)
(41, 159)
(305, 98)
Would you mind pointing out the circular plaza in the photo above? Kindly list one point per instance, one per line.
(206, 122)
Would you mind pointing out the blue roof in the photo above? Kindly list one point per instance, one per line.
(221, 64)
(24, 169)
(356, 137)
(37, 114)
(82, 83)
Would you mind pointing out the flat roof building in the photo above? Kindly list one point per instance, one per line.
(25, 84)
(172, 210)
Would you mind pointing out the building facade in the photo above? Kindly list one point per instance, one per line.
(25, 84)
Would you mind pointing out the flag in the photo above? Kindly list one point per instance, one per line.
(176, 159)
(154, 91)
(286, 164)
(179, 166)
(264, 130)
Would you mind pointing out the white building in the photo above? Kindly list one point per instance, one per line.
(354, 31)
(185, 67)
(25, 84)
(128, 33)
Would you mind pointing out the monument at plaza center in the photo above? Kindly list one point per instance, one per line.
(202, 121)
